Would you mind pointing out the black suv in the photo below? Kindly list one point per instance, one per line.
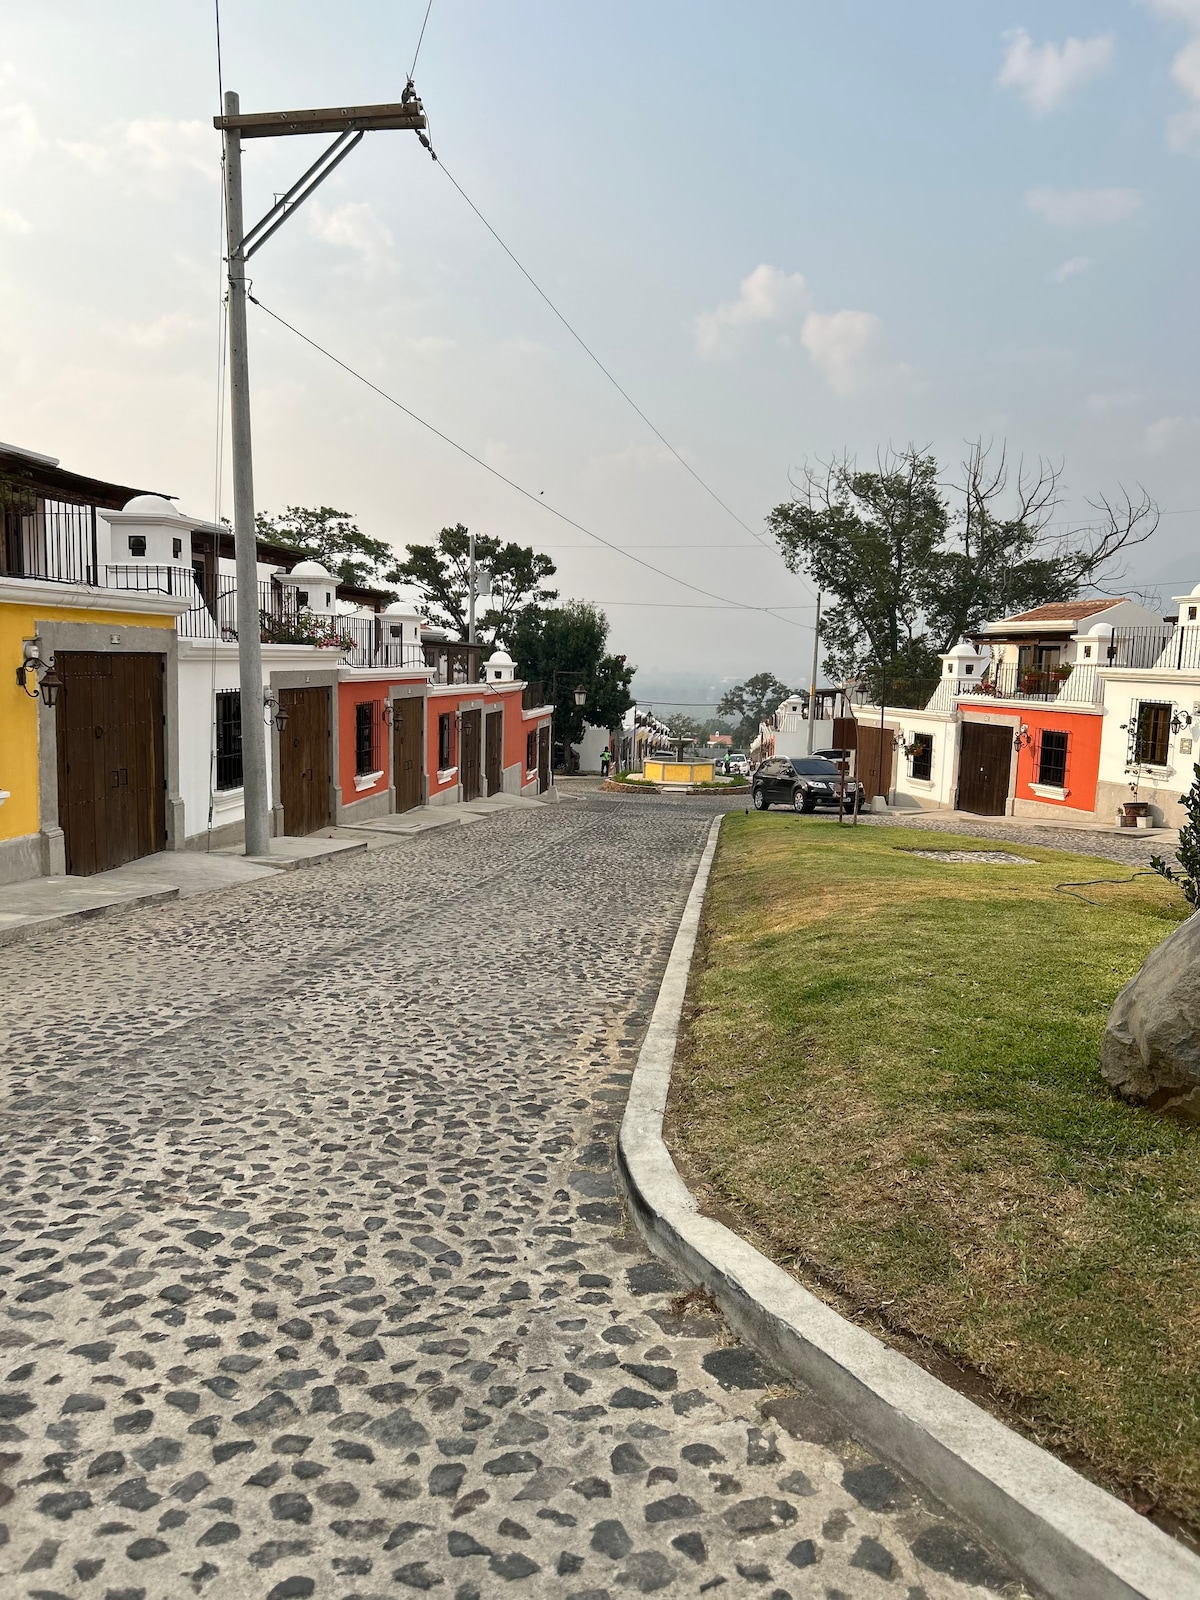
(802, 782)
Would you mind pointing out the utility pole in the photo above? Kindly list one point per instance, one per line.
(812, 682)
(245, 541)
(349, 123)
(471, 597)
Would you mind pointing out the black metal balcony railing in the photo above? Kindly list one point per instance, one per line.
(531, 695)
(1169, 647)
(1008, 680)
(51, 540)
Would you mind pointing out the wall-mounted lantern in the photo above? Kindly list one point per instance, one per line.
(41, 673)
(1023, 739)
(387, 714)
(274, 712)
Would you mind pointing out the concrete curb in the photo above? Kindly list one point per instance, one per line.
(1070, 1538)
(26, 930)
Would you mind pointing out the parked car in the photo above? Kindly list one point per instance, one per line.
(804, 783)
(737, 764)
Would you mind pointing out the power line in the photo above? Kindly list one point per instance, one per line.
(420, 39)
(537, 500)
(220, 79)
(592, 356)
(690, 605)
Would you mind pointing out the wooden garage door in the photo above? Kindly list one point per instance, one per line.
(494, 751)
(875, 757)
(111, 769)
(984, 763)
(304, 760)
(409, 767)
(468, 754)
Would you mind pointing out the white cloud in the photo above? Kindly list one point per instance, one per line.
(765, 296)
(1101, 405)
(1183, 127)
(1183, 132)
(1169, 433)
(1045, 74)
(14, 222)
(1084, 208)
(20, 135)
(353, 227)
(156, 145)
(1185, 11)
(164, 331)
(1070, 269)
(842, 344)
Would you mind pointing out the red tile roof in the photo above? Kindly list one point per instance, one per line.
(1066, 610)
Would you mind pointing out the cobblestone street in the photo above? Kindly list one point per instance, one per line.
(315, 1280)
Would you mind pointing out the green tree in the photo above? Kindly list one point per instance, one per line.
(911, 568)
(335, 540)
(440, 573)
(685, 727)
(747, 704)
(569, 640)
(1187, 873)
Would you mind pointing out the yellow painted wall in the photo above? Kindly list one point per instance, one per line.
(679, 771)
(19, 714)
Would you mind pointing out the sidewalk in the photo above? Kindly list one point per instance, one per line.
(25, 908)
(1063, 824)
(422, 818)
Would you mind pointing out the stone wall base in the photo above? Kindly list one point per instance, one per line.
(21, 859)
(219, 839)
(370, 807)
(1047, 809)
(1166, 808)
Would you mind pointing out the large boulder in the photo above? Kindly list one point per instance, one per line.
(1151, 1047)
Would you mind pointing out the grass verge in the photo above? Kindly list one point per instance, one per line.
(889, 1071)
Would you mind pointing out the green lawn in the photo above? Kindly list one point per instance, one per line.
(890, 1072)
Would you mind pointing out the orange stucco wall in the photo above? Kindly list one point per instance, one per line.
(491, 699)
(1083, 756)
(350, 695)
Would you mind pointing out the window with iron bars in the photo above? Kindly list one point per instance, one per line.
(364, 737)
(922, 756)
(530, 751)
(1051, 758)
(1152, 734)
(444, 741)
(229, 739)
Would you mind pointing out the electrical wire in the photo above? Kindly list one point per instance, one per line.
(592, 356)
(535, 499)
(220, 77)
(420, 40)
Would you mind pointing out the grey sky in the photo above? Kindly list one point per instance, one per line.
(789, 229)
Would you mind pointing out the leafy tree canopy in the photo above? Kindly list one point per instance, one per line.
(569, 640)
(440, 573)
(747, 704)
(689, 728)
(335, 540)
(911, 565)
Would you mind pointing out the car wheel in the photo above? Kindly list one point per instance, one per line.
(801, 802)
(760, 800)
